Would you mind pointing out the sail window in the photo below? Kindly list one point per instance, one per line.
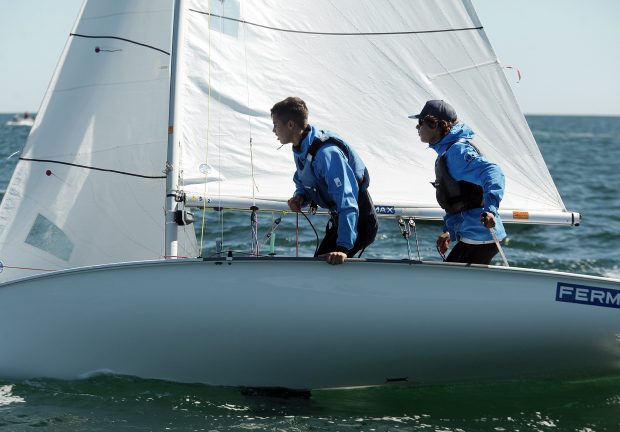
(225, 16)
(46, 236)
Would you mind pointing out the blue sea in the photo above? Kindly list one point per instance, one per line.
(582, 154)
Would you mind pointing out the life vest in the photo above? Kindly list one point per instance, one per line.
(455, 196)
(315, 186)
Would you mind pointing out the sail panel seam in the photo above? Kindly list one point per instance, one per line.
(92, 168)
(338, 33)
(121, 39)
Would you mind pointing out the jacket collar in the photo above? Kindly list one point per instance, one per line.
(307, 138)
(458, 131)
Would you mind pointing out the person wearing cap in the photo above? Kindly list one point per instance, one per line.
(329, 174)
(467, 186)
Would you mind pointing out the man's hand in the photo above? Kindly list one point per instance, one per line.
(335, 258)
(443, 241)
(487, 219)
(295, 203)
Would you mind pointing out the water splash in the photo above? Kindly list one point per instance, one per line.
(7, 397)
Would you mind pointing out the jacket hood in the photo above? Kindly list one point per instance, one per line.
(458, 131)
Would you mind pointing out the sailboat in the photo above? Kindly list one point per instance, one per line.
(165, 108)
(25, 120)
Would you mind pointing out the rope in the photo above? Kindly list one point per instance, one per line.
(204, 204)
(24, 268)
(219, 148)
(415, 235)
(247, 85)
(499, 247)
(441, 254)
(314, 229)
(404, 229)
(271, 235)
(296, 234)
(254, 224)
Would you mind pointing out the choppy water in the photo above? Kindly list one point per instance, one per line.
(582, 154)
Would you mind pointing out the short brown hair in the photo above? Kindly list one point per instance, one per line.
(291, 108)
(443, 125)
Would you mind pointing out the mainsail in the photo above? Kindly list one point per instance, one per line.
(361, 66)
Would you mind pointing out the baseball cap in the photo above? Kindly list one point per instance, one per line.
(437, 108)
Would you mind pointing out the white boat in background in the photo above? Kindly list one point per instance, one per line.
(85, 287)
(25, 120)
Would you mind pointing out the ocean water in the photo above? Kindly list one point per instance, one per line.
(582, 154)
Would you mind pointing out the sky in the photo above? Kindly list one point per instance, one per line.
(568, 51)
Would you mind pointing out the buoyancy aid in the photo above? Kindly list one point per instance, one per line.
(313, 186)
(455, 196)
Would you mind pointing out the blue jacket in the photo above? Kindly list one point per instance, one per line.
(331, 183)
(464, 163)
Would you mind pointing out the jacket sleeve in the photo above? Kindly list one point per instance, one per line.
(334, 173)
(299, 187)
(464, 163)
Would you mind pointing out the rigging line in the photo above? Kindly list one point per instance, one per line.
(219, 141)
(254, 228)
(314, 229)
(27, 268)
(247, 85)
(92, 168)
(121, 39)
(204, 205)
(339, 33)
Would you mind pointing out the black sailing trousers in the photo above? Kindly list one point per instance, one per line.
(367, 226)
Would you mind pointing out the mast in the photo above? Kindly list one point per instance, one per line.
(174, 132)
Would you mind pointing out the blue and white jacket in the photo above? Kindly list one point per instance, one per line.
(330, 181)
(465, 163)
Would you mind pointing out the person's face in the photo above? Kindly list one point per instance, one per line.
(426, 133)
(283, 130)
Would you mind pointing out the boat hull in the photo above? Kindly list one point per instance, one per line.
(302, 324)
(21, 122)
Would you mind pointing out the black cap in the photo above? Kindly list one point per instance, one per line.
(437, 108)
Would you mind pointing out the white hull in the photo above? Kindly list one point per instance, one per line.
(302, 324)
(21, 122)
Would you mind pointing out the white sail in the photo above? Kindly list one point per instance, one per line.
(362, 67)
(90, 186)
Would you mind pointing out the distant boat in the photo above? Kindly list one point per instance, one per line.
(25, 120)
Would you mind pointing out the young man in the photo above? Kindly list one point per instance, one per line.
(329, 174)
(468, 187)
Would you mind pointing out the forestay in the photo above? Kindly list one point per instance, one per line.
(362, 66)
(90, 186)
